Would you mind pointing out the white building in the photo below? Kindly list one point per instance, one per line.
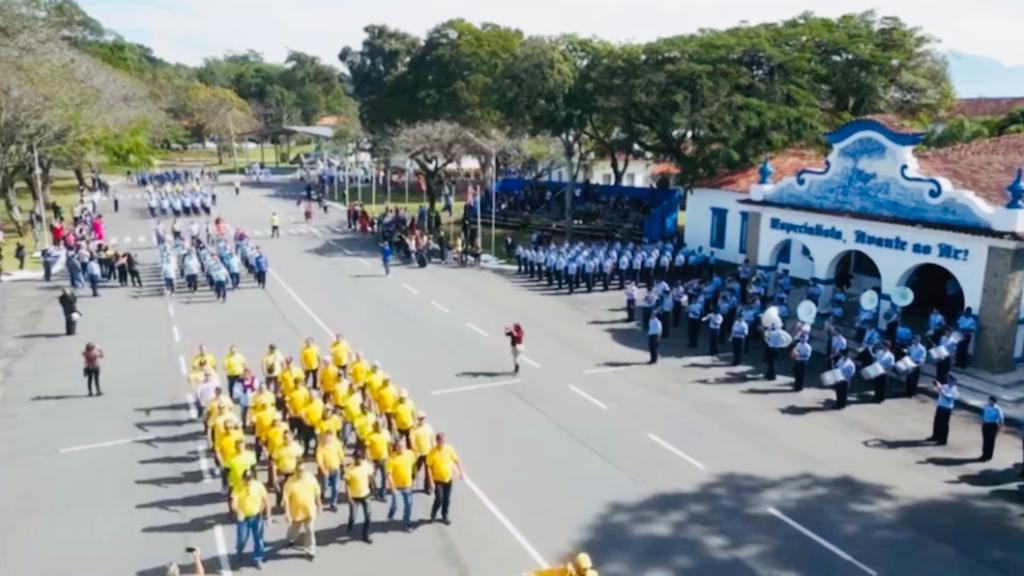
(949, 224)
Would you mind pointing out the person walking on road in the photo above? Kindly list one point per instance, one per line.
(991, 422)
(91, 357)
(653, 338)
(301, 504)
(275, 225)
(442, 466)
(251, 506)
(801, 354)
(739, 333)
(358, 486)
(847, 369)
(918, 354)
(399, 482)
(385, 257)
(515, 337)
(944, 403)
(69, 305)
(330, 455)
(422, 440)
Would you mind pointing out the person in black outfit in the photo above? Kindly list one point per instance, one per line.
(69, 305)
(133, 270)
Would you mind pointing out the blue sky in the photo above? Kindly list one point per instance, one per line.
(189, 30)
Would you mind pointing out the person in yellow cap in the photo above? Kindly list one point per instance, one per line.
(309, 357)
(262, 423)
(227, 445)
(340, 351)
(234, 367)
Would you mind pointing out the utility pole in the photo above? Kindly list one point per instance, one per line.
(37, 173)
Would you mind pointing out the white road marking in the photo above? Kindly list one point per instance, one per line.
(142, 239)
(170, 310)
(507, 524)
(181, 365)
(222, 550)
(529, 360)
(317, 232)
(127, 239)
(675, 451)
(476, 329)
(592, 400)
(346, 251)
(293, 231)
(105, 444)
(364, 262)
(476, 489)
(113, 241)
(828, 545)
(474, 387)
(410, 289)
(439, 307)
(176, 333)
(604, 370)
(192, 412)
(204, 464)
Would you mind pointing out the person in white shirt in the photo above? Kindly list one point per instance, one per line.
(653, 338)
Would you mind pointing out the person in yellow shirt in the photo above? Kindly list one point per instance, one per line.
(296, 402)
(243, 461)
(359, 370)
(358, 486)
(399, 468)
(581, 565)
(422, 439)
(272, 365)
(226, 447)
(329, 376)
(275, 225)
(387, 397)
(329, 457)
(377, 452)
(283, 462)
(403, 415)
(442, 467)
(309, 357)
(203, 358)
(262, 399)
(287, 379)
(374, 381)
(340, 351)
(363, 426)
(252, 508)
(234, 366)
(215, 407)
(263, 422)
(312, 414)
(330, 423)
(301, 505)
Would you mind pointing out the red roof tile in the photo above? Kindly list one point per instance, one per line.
(784, 165)
(980, 107)
(985, 166)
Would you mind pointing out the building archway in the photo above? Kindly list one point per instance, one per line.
(934, 287)
(795, 256)
(854, 272)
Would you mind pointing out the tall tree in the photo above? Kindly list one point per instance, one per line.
(436, 148)
(373, 69)
(219, 113)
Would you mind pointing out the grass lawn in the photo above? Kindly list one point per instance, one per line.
(64, 191)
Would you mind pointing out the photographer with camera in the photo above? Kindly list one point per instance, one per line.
(515, 336)
(197, 560)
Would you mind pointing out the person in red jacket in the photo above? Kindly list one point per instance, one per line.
(515, 337)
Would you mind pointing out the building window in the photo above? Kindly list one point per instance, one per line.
(606, 179)
(743, 232)
(629, 180)
(718, 219)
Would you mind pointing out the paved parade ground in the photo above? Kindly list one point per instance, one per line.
(689, 466)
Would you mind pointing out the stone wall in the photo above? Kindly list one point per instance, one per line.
(1000, 306)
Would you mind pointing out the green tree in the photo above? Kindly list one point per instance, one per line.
(373, 69)
(220, 114)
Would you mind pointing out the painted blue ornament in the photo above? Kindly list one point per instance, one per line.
(765, 172)
(1016, 193)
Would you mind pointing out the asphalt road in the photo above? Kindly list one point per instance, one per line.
(687, 467)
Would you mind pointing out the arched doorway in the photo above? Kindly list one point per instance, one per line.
(794, 256)
(854, 272)
(934, 287)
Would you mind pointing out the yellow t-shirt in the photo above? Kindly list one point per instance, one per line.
(286, 457)
(350, 408)
(339, 352)
(357, 480)
(234, 364)
(275, 220)
(422, 438)
(273, 364)
(238, 464)
(374, 381)
(330, 425)
(262, 421)
(275, 437)
(360, 369)
(328, 377)
(247, 499)
(301, 494)
(211, 361)
(313, 413)
(297, 401)
(287, 381)
(387, 397)
(226, 444)
(404, 415)
(377, 445)
(400, 468)
(329, 456)
(309, 356)
(261, 401)
(441, 460)
(363, 424)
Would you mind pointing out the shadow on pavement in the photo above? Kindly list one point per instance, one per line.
(183, 459)
(190, 477)
(40, 335)
(45, 398)
(724, 527)
(204, 499)
(896, 444)
(947, 461)
(166, 408)
(991, 477)
(482, 374)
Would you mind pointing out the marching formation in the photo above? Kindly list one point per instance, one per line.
(318, 430)
(216, 251)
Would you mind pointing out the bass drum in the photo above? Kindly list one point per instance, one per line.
(421, 259)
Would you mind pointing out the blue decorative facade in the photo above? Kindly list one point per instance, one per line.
(871, 171)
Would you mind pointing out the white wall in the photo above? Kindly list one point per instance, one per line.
(601, 173)
(894, 265)
(698, 222)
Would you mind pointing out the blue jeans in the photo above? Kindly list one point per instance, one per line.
(406, 494)
(346, 432)
(330, 487)
(252, 526)
(380, 468)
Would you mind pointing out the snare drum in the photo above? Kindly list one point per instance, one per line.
(872, 371)
(938, 353)
(832, 377)
(905, 365)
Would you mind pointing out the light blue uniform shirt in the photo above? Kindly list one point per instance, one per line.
(715, 321)
(948, 394)
(917, 353)
(740, 329)
(992, 414)
(654, 327)
(802, 351)
(966, 324)
(847, 368)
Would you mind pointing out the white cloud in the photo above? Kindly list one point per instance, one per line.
(189, 30)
